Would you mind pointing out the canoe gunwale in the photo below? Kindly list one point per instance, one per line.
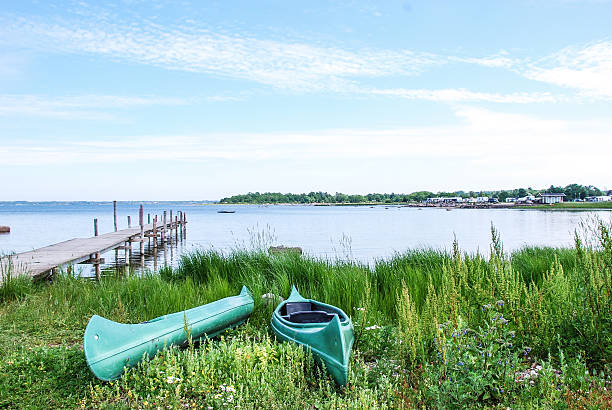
(343, 322)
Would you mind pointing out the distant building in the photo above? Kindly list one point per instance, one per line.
(529, 199)
(601, 198)
(510, 200)
(445, 200)
(482, 199)
(551, 198)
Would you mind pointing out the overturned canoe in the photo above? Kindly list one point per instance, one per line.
(323, 329)
(110, 346)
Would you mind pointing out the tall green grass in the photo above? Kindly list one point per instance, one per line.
(557, 301)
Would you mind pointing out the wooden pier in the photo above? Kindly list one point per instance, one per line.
(43, 262)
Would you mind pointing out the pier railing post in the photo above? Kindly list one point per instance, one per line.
(164, 229)
(155, 232)
(97, 255)
(141, 220)
(171, 225)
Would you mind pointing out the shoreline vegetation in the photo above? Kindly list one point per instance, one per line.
(528, 329)
(572, 192)
(563, 206)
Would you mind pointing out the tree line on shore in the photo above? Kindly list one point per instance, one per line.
(572, 191)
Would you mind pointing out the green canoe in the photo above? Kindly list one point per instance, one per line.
(323, 329)
(109, 346)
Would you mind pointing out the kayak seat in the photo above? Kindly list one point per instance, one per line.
(312, 316)
(293, 307)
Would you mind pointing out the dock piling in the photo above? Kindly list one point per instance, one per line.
(97, 255)
(141, 220)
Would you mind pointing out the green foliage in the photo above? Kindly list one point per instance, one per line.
(239, 370)
(572, 191)
(473, 365)
(534, 262)
(43, 377)
(557, 301)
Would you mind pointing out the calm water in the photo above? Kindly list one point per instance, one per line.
(364, 233)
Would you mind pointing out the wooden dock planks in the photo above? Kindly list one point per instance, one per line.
(39, 262)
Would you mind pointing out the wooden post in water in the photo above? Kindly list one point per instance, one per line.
(149, 223)
(141, 220)
(165, 246)
(128, 251)
(155, 233)
(97, 255)
(129, 221)
(171, 226)
(180, 223)
(164, 229)
(115, 223)
(176, 231)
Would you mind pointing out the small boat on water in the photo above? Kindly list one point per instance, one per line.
(321, 328)
(226, 212)
(110, 346)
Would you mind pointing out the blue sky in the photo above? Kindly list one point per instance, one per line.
(199, 100)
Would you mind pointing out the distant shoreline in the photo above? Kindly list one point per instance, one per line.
(564, 206)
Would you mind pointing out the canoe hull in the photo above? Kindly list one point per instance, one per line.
(110, 346)
(330, 342)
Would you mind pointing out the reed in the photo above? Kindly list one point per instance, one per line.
(556, 302)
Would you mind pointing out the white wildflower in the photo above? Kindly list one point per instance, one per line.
(375, 327)
(172, 379)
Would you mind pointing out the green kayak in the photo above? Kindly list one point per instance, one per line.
(323, 329)
(110, 346)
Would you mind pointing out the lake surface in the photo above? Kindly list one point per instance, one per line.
(359, 232)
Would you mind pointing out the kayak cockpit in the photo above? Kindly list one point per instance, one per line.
(309, 312)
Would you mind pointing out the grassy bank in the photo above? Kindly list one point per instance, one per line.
(570, 205)
(435, 329)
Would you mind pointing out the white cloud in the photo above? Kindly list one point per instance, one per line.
(80, 106)
(289, 65)
(463, 95)
(587, 69)
(487, 140)
(500, 60)
(303, 67)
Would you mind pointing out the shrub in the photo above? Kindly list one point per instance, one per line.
(473, 365)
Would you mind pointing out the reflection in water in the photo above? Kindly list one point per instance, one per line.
(163, 254)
